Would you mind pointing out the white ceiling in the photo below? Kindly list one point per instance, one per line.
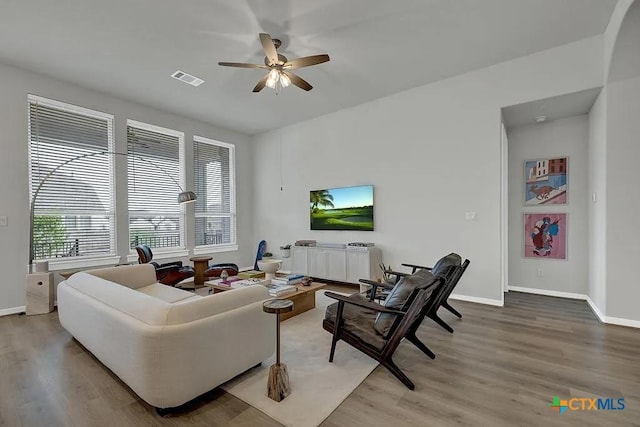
(555, 108)
(129, 48)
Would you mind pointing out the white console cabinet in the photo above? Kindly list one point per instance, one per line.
(327, 263)
(299, 263)
(337, 264)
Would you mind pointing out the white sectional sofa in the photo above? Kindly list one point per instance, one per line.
(167, 344)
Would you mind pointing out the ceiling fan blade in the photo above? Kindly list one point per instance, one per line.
(298, 81)
(269, 48)
(306, 61)
(261, 84)
(241, 65)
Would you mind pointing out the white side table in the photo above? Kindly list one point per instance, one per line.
(39, 293)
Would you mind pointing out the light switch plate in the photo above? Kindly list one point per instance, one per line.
(3, 221)
(470, 216)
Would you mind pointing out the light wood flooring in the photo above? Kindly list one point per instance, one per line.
(502, 366)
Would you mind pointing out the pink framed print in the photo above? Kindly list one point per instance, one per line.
(545, 235)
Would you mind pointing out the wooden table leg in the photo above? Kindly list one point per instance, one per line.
(278, 385)
(200, 265)
(278, 339)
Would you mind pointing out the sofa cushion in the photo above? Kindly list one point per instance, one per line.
(399, 296)
(131, 276)
(189, 310)
(145, 308)
(167, 293)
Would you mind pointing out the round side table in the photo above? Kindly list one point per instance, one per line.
(200, 265)
(278, 383)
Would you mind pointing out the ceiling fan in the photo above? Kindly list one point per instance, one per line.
(279, 75)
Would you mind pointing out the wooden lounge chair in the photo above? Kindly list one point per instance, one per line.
(441, 267)
(377, 330)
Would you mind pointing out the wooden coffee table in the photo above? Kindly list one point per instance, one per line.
(304, 299)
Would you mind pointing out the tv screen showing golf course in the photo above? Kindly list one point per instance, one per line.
(344, 208)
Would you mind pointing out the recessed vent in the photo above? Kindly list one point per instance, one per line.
(187, 78)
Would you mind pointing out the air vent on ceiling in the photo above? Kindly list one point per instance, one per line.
(187, 78)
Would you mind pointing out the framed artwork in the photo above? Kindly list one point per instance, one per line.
(545, 181)
(545, 235)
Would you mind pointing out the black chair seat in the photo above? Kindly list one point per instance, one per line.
(357, 321)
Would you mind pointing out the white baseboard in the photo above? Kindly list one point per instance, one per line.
(14, 310)
(486, 301)
(547, 292)
(622, 322)
(601, 317)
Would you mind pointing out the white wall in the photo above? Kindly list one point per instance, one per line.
(598, 209)
(621, 40)
(623, 199)
(614, 152)
(559, 138)
(15, 84)
(433, 153)
(612, 31)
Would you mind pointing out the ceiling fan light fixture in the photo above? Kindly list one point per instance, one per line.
(274, 74)
(284, 80)
(271, 83)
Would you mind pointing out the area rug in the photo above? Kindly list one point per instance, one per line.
(317, 386)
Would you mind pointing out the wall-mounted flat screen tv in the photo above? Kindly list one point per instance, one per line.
(344, 208)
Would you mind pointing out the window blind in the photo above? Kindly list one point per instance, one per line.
(154, 165)
(214, 176)
(74, 206)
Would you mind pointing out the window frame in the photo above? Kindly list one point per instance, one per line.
(171, 252)
(87, 260)
(232, 215)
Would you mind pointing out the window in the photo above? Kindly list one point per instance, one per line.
(214, 180)
(155, 163)
(71, 180)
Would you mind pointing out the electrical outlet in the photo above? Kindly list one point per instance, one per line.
(470, 216)
(3, 221)
(540, 272)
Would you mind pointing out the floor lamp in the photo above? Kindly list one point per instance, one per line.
(183, 197)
